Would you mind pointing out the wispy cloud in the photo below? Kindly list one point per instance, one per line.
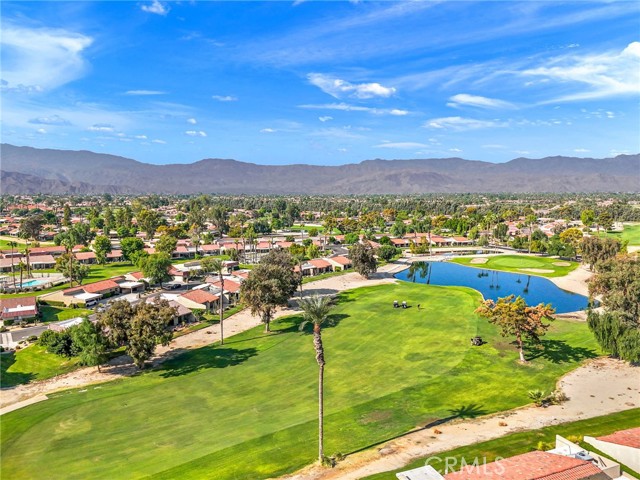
(156, 140)
(195, 133)
(338, 88)
(464, 99)
(602, 75)
(224, 98)
(51, 120)
(345, 107)
(192, 121)
(155, 7)
(268, 130)
(460, 124)
(101, 127)
(144, 92)
(402, 145)
(37, 59)
(325, 118)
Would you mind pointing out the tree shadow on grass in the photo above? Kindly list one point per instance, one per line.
(12, 379)
(331, 322)
(205, 358)
(558, 351)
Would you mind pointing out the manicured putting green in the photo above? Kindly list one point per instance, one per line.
(543, 266)
(247, 410)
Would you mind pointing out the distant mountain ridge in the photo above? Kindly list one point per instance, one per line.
(30, 170)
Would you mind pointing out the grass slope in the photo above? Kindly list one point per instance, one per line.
(516, 263)
(523, 442)
(32, 363)
(56, 314)
(247, 410)
(631, 232)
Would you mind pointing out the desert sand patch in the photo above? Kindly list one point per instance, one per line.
(479, 260)
(562, 264)
(536, 270)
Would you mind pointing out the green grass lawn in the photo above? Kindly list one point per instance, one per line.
(55, 314)
(4, 243)
(523, 442)
(247, 410)
(521, 264)
(32, 363)
(631, 233)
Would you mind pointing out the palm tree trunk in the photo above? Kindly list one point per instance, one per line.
(317, 344)
(221, 308)
(520, 348)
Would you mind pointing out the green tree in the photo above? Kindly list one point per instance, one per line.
(68, 265)
(139, 328)
(91, 342)
(31, 227)
(596, 250)
(155, 267)
(587, 217)
(148, 221)
(102, 246)
(387, 252)
(573, 237)
(363, 259)
(617, 328)
(269, 285)
(130, 246)
(514, 317)
(166, 244)
(66, 215)
(316, 312)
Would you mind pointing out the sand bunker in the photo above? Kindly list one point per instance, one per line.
(479, 260)
(562, 264)
(536, 270)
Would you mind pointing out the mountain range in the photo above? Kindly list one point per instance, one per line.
(27, 170)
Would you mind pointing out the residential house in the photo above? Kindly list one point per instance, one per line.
(18, 309)
(401, 242)
(115, 256)
(41, 262)
(231, 289)
(86, 258)
(339, 263)
(199, 299)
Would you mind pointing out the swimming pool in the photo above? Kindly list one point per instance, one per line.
(32, 283)
(493, 284)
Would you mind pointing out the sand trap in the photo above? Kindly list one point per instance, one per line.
(536, 270)
(479, 260)
(562, 264)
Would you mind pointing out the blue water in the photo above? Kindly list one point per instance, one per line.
(33, 283)
(493, 284)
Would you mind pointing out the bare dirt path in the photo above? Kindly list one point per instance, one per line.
(597, 388)
(21, 395)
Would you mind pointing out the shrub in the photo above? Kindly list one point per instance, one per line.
(32, 338)
(538, 397)
(3, 329)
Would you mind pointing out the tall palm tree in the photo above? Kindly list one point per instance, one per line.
(21, 266)
(27, 252)
(12, 245)
(217, 266)
(316, 311)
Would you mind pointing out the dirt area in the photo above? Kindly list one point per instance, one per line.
(562, 264)
(599, 387)
(479, 260)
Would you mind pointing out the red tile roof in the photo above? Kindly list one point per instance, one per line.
(46, 250)
(200, 296)
(42, 259)
(529, 466)
(341, 260)
(85, 255)
(96, 287)
(319, 263)
(229, 285)
(628, 438)
(16, 302)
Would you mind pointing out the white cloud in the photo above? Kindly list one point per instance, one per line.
(192, 121)
(195, 133)
(41, 131)
(268, 130)
(464, 99)
(140, 137)
(325, 118)
(581, 150)
(155, 7)
(224, 98)
(161, 142)
(144, 92)
(50, 120)
(101, 127)
(602, 75)
(455, 150)
(338, 88)
(401, 145)
(460, 123)
(345, 107)
(37, 59)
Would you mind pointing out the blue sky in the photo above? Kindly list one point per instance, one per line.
(322, 82)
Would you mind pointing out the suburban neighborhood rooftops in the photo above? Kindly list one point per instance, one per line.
(200, 296)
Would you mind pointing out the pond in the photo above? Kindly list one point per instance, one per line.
(493, 284)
